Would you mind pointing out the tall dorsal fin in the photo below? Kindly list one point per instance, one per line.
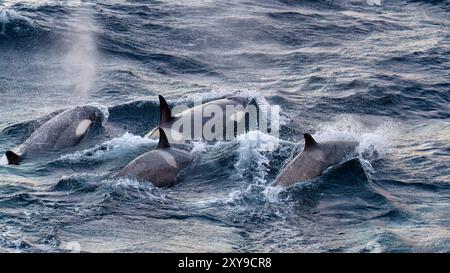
(163, 142)
(164, 111)
(309, 141)
(13, 158)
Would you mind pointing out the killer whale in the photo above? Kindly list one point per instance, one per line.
(313, 160)
(233, 123)
(64, 130)
(160, 166)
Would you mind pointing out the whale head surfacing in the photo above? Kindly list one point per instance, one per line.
(160, 166)
(314, 159)
(64, 130)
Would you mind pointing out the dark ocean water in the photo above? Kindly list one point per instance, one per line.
(373, 71)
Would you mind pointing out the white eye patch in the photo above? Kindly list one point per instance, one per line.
(82, 127)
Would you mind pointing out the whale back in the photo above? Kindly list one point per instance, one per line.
(205, 116)
(160, 166)
(64, 130)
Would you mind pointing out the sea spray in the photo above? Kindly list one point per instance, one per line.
(80, 61)
(375, 135)
(4, 19)
(110, 149)
(12, 22)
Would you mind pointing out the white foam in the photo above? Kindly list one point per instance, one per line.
(144, 189)
(199, 147)
(84, 176)
(124, 183)
(3, 161)
(267, 194)
(7, 16)
(251, 146)
(237, 195)
(104, 112)
(374, 2)
(110, 149)
(220, 93)
(252, 158)
(375, 136)
(11, 236)
(272, 193)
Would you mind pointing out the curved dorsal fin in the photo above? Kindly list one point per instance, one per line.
(309, 141)
(163, 142)
(164, 111)
(13, 158)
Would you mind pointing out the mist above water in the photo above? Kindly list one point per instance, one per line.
(3, 21)
(80, 62)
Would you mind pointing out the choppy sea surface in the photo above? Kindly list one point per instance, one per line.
(373, 71)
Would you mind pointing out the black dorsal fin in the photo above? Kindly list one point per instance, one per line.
(309, 141)
(163, 142)
(13, 158)
(165, 114)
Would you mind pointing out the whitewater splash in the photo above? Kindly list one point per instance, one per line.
(251, 148)
(110, 149)
(374, 2)
(17, 22)
(377, 139)
(3, 161)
